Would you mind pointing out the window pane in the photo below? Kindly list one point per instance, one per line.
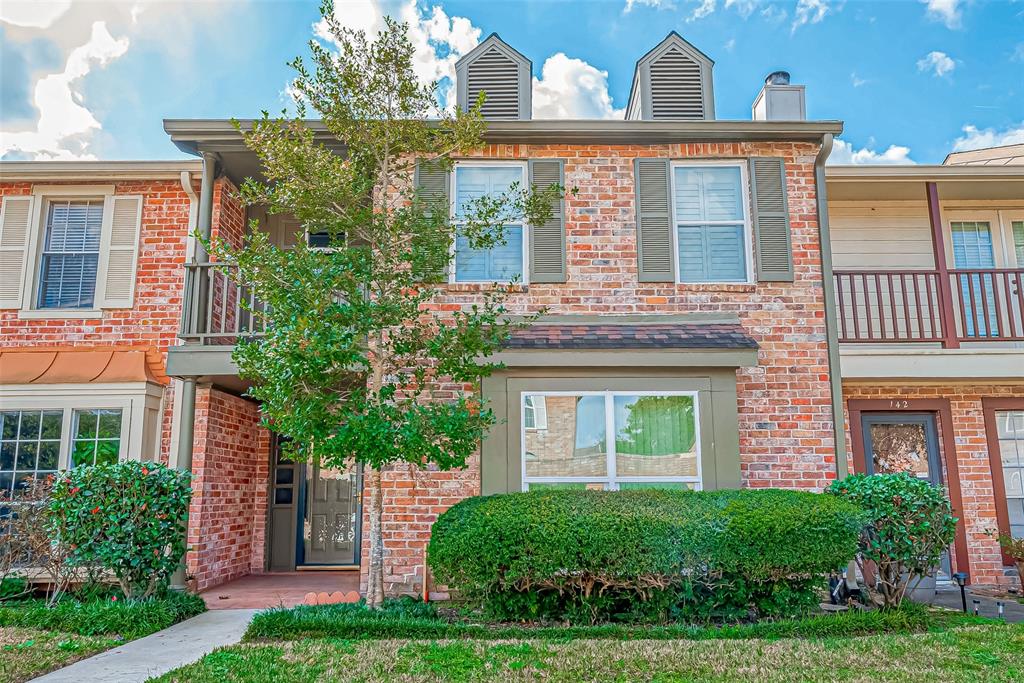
(500, 262)
(51, 424)
(9, 428)
(49, 453)
(574, 443)
(713, 193)
(655, 436)
(70, 256)
(1018, 242)
(473, 182)
(30, 421)
(900, 447)
(25, 456)
(972, 244)
(91, 446)
(83, 453)
(564, 485)
(86, 420)
(107, 452)
(110, 424)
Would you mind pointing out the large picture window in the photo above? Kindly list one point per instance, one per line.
(711, 222)
(611, 440)
(502, 262)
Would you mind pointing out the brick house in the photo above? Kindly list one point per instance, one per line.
(690, 315)
(929, 278)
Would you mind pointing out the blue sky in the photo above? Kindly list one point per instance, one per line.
(912, 80)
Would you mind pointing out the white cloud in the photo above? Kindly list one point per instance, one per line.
(65, 126)
(702, 10)
(570, 88)
(1018, 53)
(844, 153)
(730, 45)
(33, 13)
(743, 7)
(978, 138)
(937, 62)
(656, 4)
(857, 80)
(438, 40)
(809, 12)
(946, 11)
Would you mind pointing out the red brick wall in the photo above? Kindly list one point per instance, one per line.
(231, 464)
(785, 417)
(979, 513)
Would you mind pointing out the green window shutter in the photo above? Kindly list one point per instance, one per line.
(771, 219)
(433, 185)
(653, 224)
(547, 240)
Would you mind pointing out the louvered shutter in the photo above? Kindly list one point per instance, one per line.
(15, 216)
(121, 255)
(771, 219)
(433, 186)
(496, 75)
(653, 223)
(677, 87)
(547, 241)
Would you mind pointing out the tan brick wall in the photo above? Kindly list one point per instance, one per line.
(979, 513)
(231, 464)
(785, 418)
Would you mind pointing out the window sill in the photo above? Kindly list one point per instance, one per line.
(741, 287)
(484, 286)
(61, 314)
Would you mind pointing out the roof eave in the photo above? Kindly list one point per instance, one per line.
(12, 171)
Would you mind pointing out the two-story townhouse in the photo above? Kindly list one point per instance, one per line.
(685, 342)
(929, 281)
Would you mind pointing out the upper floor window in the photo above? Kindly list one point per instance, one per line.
(503, 262)
(712, 222)
(70, 255)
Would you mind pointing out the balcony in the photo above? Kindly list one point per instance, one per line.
(928, 306)
(218, 311)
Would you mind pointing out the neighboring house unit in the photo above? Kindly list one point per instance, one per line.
(691, 336)
(929, 280)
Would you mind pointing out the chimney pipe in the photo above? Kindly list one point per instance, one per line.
(777, 78)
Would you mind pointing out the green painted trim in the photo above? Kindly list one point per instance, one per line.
(831, 309)
(627, 358)
(500, 464)
(200, 361)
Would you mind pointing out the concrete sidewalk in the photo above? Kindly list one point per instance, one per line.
(160, 652)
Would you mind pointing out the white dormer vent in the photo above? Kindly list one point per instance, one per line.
(502, 74)
(672, 82)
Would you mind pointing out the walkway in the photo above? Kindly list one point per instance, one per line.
(278, 589)
(1013, 610)
(159, 653)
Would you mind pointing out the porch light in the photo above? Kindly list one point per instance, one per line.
(961, 580)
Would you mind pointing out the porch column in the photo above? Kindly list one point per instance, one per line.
(950, 340)
(187, 420)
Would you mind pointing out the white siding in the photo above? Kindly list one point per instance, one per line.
(876, 236)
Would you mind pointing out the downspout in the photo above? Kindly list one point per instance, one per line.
(831, 315)
(187, 420)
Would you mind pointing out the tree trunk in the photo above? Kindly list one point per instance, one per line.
(375, 578)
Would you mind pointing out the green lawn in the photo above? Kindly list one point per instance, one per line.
(972, 653)
(26, 652)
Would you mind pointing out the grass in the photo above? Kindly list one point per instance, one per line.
(992, 652)
(26, 653)
(103, 616)
(407, 620)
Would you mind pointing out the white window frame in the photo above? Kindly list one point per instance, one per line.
(748, 225)
(43, 196)
(141, 406)
(611, 480)
(452, 203)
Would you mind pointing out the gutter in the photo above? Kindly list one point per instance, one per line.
(95, 170)
(831, 314)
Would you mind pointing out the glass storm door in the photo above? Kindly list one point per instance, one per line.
(904, 442)
(331, 515)
(1010, 431)
(972, 250)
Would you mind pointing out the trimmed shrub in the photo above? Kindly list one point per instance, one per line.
(642, 555)
(128, 518)
(909, 524)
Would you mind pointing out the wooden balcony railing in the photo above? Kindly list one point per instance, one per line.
(218, 309)
(975, 305)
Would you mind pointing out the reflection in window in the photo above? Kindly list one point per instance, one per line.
(654, 443)
(29, 446)
(97, 437)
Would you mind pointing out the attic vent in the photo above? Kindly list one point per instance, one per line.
(498, 76)
(497, 70)
(676, 87)
(672, 82)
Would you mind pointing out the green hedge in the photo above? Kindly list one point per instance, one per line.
(109, 616)
(643, 555)
(397, 621)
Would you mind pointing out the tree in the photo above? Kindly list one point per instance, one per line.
(354, 354)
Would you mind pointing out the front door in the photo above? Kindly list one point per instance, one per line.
(904, 442)
(331, 514)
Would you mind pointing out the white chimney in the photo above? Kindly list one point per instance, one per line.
(780, 101)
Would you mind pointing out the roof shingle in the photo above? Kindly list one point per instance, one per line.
(631, 336)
